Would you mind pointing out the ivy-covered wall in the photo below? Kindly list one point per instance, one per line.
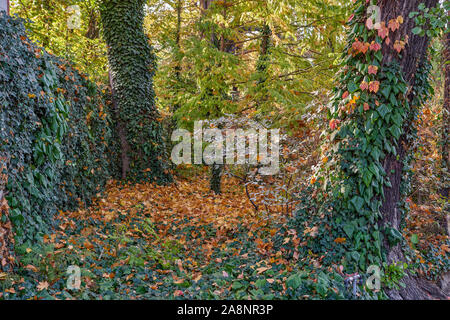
(54, 133)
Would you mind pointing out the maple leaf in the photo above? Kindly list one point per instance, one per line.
(177, 280)
(291, 169)
(311, 231)
(42, 285)
(197, 277)
(374, 86)
(262, 269)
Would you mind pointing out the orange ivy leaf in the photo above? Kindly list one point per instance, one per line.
(364, 86)
(345, 95)
(375, 46)
(374, 86)
(334, 124)
(373, 69)
(340, 240)
(399, 45)
(393, 24)
(383, 32)
(359, 46)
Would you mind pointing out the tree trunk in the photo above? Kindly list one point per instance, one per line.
(121, 132)
(177, 68)
(412, 58)
(263, 64)
(93, 31)
(216, 178)
(132, 67)
(446, 118)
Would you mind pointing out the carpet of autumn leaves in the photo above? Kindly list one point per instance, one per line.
(175, 241)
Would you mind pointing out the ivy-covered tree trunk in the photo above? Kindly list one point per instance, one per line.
(412, 61)
(446, 118)
(379, 93)
(132, 67)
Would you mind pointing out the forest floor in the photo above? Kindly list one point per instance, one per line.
(154, 241)
(178, 241)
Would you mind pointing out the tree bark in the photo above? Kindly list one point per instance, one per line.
(412, 58)
(122, 134)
